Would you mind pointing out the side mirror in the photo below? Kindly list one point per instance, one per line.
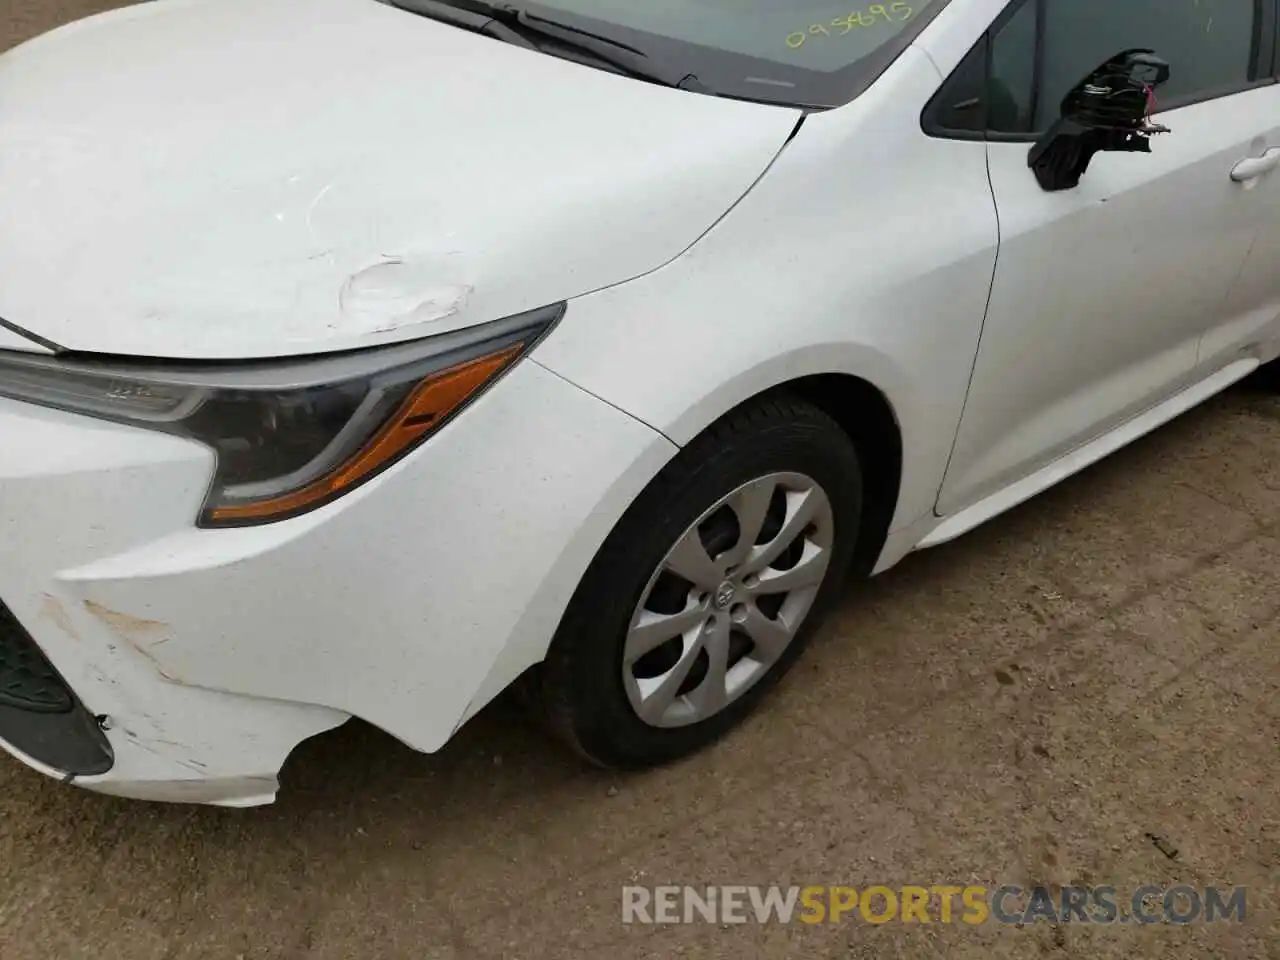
(1109, 110)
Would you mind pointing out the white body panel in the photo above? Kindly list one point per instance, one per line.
(250, 178)
(860, 288)
(215, 651)
(11, 340)
(1057, 470)
(1104, 291)
(1250, 317)
(208, 179)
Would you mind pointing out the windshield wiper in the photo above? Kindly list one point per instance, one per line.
(509, 23)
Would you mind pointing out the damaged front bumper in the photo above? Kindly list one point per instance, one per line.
(207, 655)
(214, 748)
(82, 696)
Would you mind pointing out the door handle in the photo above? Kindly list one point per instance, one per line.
(1252, 168)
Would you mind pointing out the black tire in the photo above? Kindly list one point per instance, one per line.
(1268, 376)
(580, 686)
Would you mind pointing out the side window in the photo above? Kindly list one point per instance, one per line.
(1210, 45)
(1011, 79)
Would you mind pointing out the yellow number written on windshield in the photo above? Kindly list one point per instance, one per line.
(876, 14)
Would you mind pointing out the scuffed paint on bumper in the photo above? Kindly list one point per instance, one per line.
(410, 602)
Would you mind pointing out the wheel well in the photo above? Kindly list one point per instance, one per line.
(864, 414)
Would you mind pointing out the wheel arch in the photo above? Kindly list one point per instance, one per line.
(866, 416)
(861, 409)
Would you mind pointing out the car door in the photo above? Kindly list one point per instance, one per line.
(1250, 322)
(1101, 293)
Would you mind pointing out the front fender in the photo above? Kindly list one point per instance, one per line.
(851, 256)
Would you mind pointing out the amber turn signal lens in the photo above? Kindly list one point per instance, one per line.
(422, 411)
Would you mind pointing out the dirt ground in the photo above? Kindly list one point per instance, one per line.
(1032, 704)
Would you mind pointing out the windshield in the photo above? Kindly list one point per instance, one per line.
(817, 53)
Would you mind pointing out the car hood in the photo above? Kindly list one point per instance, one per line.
(253, 178)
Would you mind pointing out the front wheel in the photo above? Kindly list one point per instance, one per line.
(706, 592)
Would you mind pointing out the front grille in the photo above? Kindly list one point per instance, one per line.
(39, 714)
(27, 680)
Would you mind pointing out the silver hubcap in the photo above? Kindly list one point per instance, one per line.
(727, 600)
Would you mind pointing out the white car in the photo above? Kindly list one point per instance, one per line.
(361, 358)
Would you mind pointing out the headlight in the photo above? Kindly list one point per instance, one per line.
(288, 435)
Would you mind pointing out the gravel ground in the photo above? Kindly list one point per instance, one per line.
(1086, 690)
